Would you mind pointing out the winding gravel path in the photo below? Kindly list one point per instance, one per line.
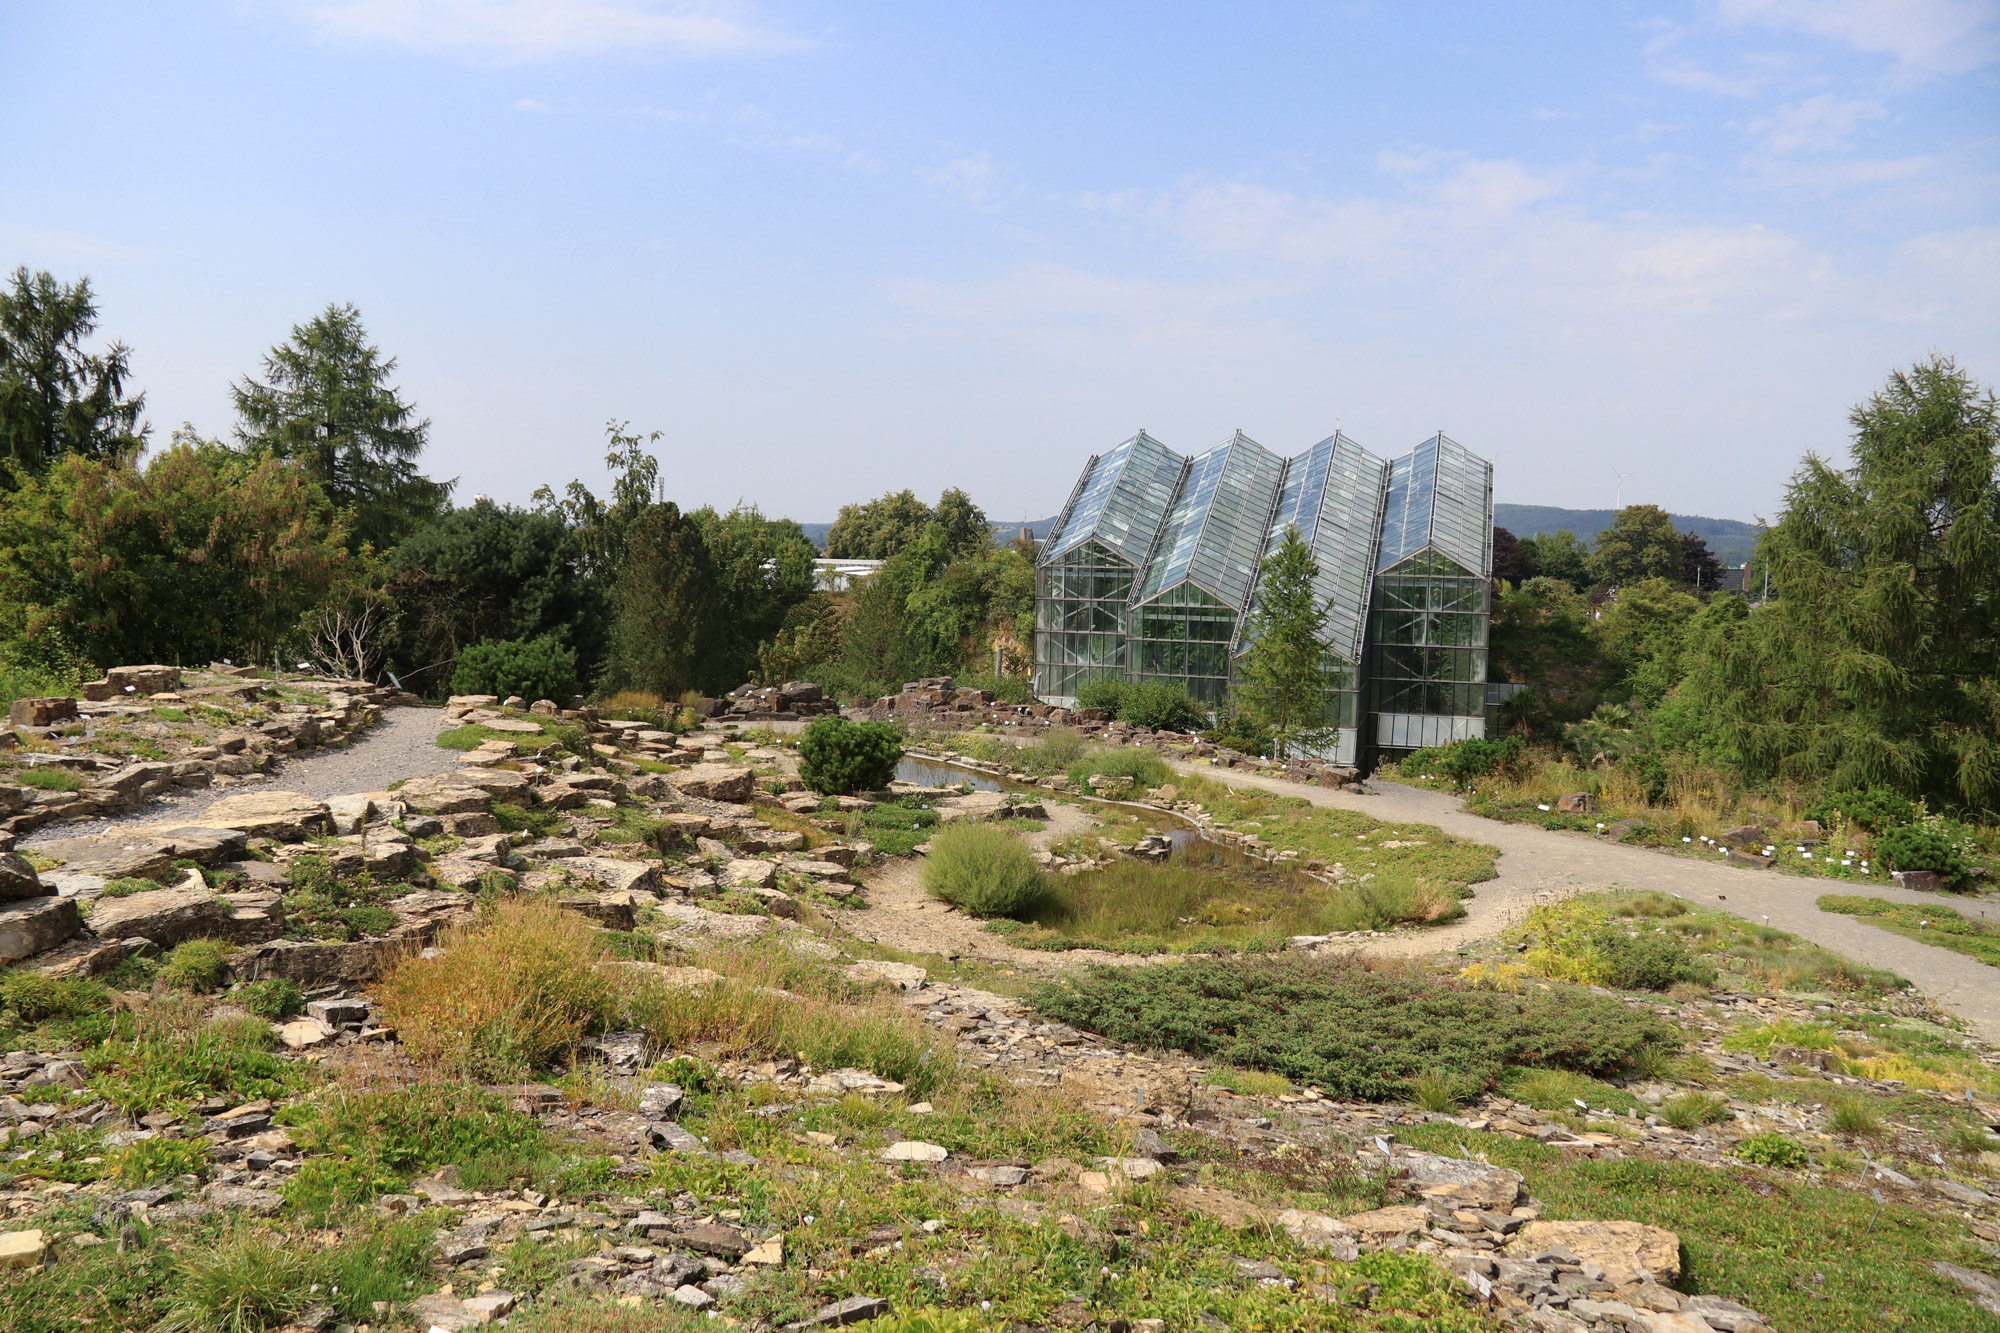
(402, 745)
(1536, 863)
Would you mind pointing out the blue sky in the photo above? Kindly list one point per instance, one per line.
(831, 250)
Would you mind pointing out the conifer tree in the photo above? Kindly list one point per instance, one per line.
(1286, 680)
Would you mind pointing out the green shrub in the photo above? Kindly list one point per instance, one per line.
(198, 966)
(49, 779)
(1052, 754)
(1561, 1090)
(275, 998)
(125, 888)
(1875, 810)
(1238, 730)
(1770, 1149)
(153, 1161)
(1107, 693)
(37, 998)
(1651, 960)
(367, 1143)
(1465, 762)
(838, 757)
(984, 870)
(1388, 901)
(1853, 1113)
(1351, 1031)
(1163, 707)
(539, 668)
(1924, 846)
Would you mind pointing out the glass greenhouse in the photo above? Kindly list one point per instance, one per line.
(1151, 568)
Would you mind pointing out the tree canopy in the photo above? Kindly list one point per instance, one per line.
(326, 403)
(887, 524)
(1641, 543)
(56, 399)
(1879, 662)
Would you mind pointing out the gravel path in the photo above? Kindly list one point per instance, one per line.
(1536, 864)
(402, 745)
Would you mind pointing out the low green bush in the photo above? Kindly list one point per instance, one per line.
(1158, 704)
(839, 758)
(126, 887)
(275, 998)
(984, 870)
(1875, 810)
(367, 1143)
(154, 1161)
(539, 668)
(1925, 846)
(198, 966)
(37, 998)
(1770, 1149)
(1465, 762)
(1350, 1030)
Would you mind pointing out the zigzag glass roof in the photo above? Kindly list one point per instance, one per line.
(1215, 535)
(1333, 495)
(1121, 500)
(1441, 496)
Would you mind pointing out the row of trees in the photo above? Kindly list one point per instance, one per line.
(315, 533)
(1641, 543)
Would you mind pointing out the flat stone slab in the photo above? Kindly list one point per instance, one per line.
(113, 855)
(615, 875)
(1610, 1245)
(164, 916)
(728, 783)
(287, 816)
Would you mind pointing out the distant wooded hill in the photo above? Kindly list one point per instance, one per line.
(1730, 540)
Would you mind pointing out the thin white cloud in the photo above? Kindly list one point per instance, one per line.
(970, 174)
(1816, 125)
(526, 30)
(1930, 36)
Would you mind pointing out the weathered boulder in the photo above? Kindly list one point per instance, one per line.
(906, 975)
(696, 925)
(1457, 1181)
(749, 874)
(47, 711)
(612, 911)
(1577, 803)
(442, 795)
(18, 878)
(615, 875)
(164, 916)
(287, 816)
(154, 679)
(504, 784)
(1317, 1231)
(1611, 1245)
(29, 926)
(716, 782)
(313, 964)
(1381, 1225)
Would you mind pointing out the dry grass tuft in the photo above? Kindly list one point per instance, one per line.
(505, 995)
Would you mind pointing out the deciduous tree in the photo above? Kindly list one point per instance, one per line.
(1641, 543)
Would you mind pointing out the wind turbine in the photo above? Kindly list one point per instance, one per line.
(1620, 502)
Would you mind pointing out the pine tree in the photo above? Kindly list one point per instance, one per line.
(1879, 662)
(56, 398)
(1287, 681)
(326, 403)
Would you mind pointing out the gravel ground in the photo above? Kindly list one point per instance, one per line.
(402, 745)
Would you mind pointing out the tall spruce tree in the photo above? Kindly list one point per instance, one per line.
(1879, 662)
(326, 403)
(56, 398)
(1287, 681)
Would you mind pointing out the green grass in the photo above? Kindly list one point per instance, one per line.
(897, 827)
(473, 735)
(983, 869)
(1928, 924)
(146, 1066)
(197, 966)
(1561, 1090)
(541, 822)
(1807, 1257)
(1134, 906)
(49, 779)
